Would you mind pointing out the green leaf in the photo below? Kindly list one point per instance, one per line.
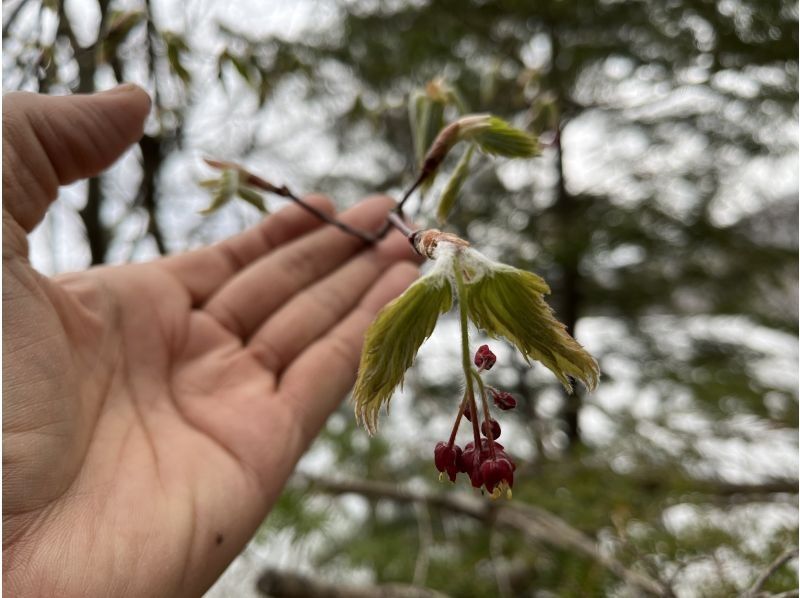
(252, 197)
(507, 302)
(176, 47)
(224, 189)
(450, 193)
(427, 118)
(501, 139)
(217, 201)
(209, 183)
(392, 341)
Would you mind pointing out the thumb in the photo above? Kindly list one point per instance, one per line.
(52, 141)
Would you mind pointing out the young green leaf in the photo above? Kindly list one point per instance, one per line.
(223, 189)
(506, 302)
(252, 197)
(450, 193)
(495, 136)
(427, 117)
(392, 341)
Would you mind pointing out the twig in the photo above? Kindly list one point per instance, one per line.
(285, 584)
(425, 542)
(535, 523)
(393, 218)
(500, 569)
(769, 571)
(411, 190)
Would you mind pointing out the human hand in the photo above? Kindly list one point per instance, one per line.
(152, 413)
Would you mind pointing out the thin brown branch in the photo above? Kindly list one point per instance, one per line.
(773, 567)
(776, 486)
(535, 523)
(285, 584)
(150, 148)
(425, 542)
(393, 218)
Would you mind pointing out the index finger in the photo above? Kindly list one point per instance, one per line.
(204, 270)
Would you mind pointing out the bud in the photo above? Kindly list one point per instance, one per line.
(495, 428)
(446, 458)
(468, 413)
(484, 358)
(503, 400)
(425, 242)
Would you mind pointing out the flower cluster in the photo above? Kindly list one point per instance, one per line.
(484, 460)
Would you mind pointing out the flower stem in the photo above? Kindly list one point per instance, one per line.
(458, 420)
(486, 416)
(465, 354)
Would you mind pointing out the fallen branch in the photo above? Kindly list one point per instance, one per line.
(284, 584)
(755, 589)
(537, 524)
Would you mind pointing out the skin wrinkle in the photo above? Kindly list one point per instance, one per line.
(300, 262)
(230, 255)
(330, 301)
(15, 242)
(66, 490)
(20, 180)
(266, 353)
(50, 185)
(65, 163)
(179, 410)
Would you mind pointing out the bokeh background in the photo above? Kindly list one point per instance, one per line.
(663, 212)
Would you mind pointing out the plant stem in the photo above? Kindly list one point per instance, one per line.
(465, 355)
(284, 191)
(486, 416)
(394, 219)
(461, 409)
(410, 190)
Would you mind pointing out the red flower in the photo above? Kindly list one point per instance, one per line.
(446, 458)
(498, 476)
(484, 358)
(496, 473)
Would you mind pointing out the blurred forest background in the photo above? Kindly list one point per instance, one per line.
(663, 213)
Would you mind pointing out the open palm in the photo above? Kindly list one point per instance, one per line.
(152, 413)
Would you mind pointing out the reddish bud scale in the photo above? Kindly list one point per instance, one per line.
(484, 358)
(503, 400)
